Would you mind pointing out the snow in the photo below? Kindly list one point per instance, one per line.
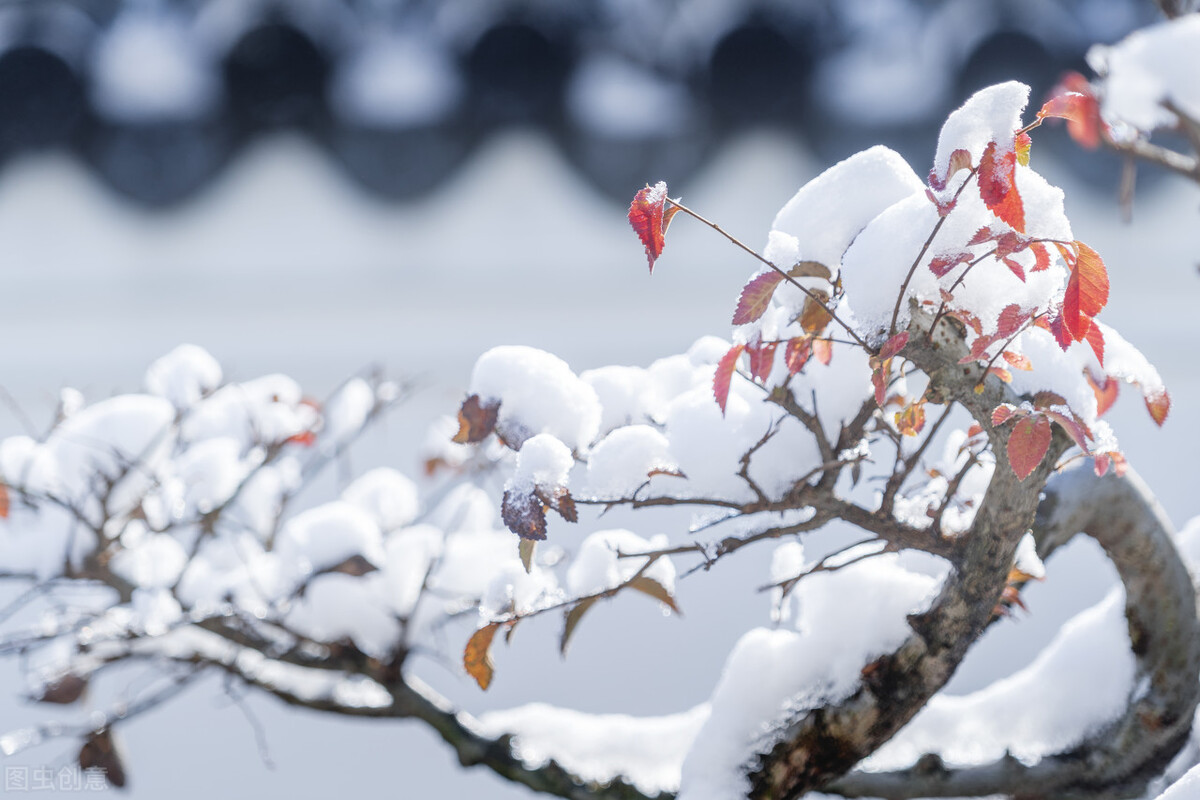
(1043, 709)
(327, 535)
(543, 462)
(538, 393)
(827, 213)
(648, 751)
(183, 375)
(155, 562)
(771, 671)
(1186, 788)
(623, 460)
(348, 410)
(146, 67)
(388, 496)
(621, 391)
(336, 606)
(990, 115)
(1151, 67)
(598, 566)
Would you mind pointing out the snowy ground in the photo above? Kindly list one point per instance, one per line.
(282, 266)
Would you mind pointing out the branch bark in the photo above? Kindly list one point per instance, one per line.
(1118, 762)
(822, 744)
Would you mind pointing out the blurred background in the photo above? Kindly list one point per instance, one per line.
(319, 186)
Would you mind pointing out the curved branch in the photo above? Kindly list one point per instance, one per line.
(1160, 605)
(822, 744)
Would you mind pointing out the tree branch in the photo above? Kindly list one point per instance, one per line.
(1160, 605)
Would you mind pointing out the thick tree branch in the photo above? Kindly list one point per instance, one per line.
(1160, 606)
(822, 744)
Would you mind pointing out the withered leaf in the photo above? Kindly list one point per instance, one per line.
(476, 420)
(356, 566)
(810, 269)
(648, 586)
(99, 751)
(477, 656)
(66, 689)
(526, 549)
(524, 514)
(573, 615)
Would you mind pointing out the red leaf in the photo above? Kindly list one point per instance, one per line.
(1159, 406)
(1046, 398)
(1115, 458)
(756, 297)
(893, 346)
(1027, 444)
(1016, 268)
(796, 354)
(1009, 242)
(1018, 361)
(1041, 257)
(1095, 338)
(1075, 102)
(1001, 373)
(762, 358)
(724, 375)
(944, 263)
(974, 430)
(1059, 329)
(879, 375)
(649, 216)
(1106, 393)
(1002, 414)
(1087, 291)
(984, 234)
(1010, 320)
(998, 186)
(1079, 432)
(304, 439)
(823, 350)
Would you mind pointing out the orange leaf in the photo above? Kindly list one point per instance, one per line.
(649, 216)
(1106, 393)
(1017, 361)
(1159, 406)
(724, 375)
(815, 316)
(756, 297)
(796, 354)
(1075, 102)
(823, 350)
(1028, 443)
(1002, 414)
(4, 501)
(477, 657)
(911, 419)
(1087, 291)
(998, 186)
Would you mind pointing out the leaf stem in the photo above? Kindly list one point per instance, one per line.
(924, 249)
(811, 295)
